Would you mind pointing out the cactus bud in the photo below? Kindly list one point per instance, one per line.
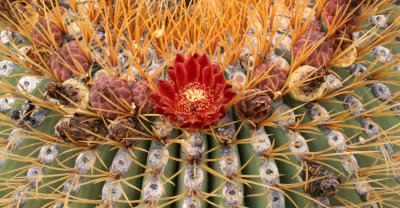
(44, 31)
(275, 79)
(69, 60)
(321, 55)
(110, 96)
(254, 105)
(141, 92)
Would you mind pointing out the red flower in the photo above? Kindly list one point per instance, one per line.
(196, 95)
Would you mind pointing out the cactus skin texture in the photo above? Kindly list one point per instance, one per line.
(206, 103)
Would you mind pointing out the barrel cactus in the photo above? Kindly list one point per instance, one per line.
(205, 103)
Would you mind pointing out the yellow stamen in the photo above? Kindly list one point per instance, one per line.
(194, 97)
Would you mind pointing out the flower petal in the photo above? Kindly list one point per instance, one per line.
(228, 95)
(172, 74)
(155, 97)
(181, 78)
(196, 56)
(179, 58)
(158, 109)
(206, 76)
(193, 70)
(166, 89)
(203, 61)
(219, 79)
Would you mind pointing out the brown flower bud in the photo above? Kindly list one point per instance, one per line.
(141, 96)
(275, 78)
(254, 105)
(110, 96)
(69, 60)
(321, 55)
(44, 31)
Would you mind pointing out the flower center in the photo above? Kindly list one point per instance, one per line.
(194, 97)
